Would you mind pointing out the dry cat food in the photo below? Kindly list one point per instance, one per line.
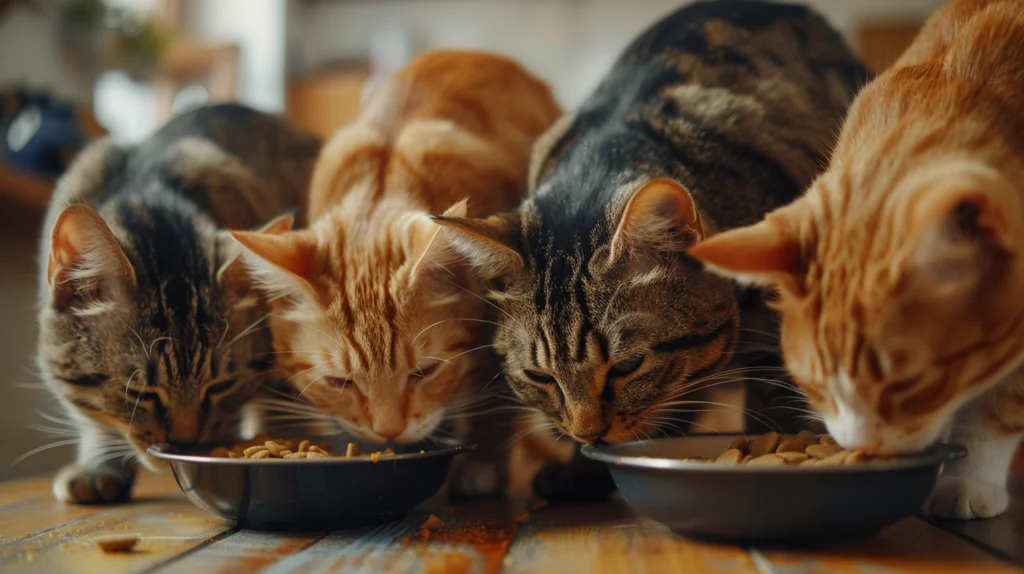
(803, 449)
(263, 447)
(117, 542)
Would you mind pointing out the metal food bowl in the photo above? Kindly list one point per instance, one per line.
(311, 494)
(779, 505)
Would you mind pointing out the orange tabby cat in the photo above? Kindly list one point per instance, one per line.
(382, 327)
(900, 271)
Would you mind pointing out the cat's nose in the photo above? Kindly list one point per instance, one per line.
(183, 430)
(591, 435)
(389, 427)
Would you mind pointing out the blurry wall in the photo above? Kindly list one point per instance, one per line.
(569, 43)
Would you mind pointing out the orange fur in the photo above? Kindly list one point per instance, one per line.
(900, 270)
(372, 293)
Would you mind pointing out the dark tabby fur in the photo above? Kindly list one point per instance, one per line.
(606, 323)
(149, 331)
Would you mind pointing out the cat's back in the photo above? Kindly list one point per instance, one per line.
(961, 77)
(449, 125)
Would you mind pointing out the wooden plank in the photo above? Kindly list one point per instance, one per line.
(608, 538)
(167, 529)
(28, 507)
(40, 534)
(911, 546)
(244, 551)
(466, 545)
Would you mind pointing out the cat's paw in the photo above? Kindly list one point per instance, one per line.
(478, 479)
(81, 485)
(965, 499)
(574, 481)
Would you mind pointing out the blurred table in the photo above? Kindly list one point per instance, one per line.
(40, 535)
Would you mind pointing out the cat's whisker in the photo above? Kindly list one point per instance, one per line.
(155, 341)
(425, 329)
(246, 331)
(308, 326)
(128, 385)
(450, 359)
(314, 381)
(45, 447)
(142, 344)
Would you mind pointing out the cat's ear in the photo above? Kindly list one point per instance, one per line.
(764, 254)
(489, 244)
(957, 240)
(86, 264)
(232, 273)
(428, 244)
(281, 264)
(660, 217)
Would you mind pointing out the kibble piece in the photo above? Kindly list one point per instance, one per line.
(315, 455)
(809, 462)
(260, 455)
(764, 444)
(828, 440)
(253, 450)
(296, 455)
(792, 457)
(352, 450)
(856, 457)
(273, 447)
(522, 517)
(304, 446)
(374, 457)
(220, 452)
(822, 450)
(770, 459)
(741, 444)
(731, 456)
(284, 452)
(807, 437)
(746, 458)
(433, 523)
(791, 445)
(836, 459)
(318, 450)
(117, 542)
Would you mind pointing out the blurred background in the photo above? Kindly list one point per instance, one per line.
(72, 70)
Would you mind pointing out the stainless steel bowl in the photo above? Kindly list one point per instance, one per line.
(767, 504)
(276, 494)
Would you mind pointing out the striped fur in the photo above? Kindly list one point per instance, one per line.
(149, 331)
(382, 326)
(899, 270)
(715, 115)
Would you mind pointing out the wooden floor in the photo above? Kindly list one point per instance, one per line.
(40, 535)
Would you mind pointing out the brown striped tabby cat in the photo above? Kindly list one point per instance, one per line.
(380, 325)
(900, 282)
(148, 325)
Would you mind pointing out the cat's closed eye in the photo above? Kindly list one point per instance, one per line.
(220, 387)
(424, 372)
(142, 396)
(536, 377)
(627, 366)
(339, 382)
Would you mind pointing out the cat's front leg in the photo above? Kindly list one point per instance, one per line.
(92, 479)
(990, 428)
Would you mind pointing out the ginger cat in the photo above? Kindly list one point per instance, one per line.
(379, 324)
(899, 271)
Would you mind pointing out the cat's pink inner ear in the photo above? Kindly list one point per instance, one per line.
(760, 253)
(81, 240)
(661, 215)
(287, 251)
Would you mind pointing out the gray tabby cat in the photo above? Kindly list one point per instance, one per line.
(717, 114)
(149, 331)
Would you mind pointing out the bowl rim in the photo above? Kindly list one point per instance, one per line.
(165, 452)
(935, 455)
